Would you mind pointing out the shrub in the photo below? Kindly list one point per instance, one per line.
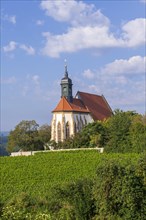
(119, 191)
(73, 201)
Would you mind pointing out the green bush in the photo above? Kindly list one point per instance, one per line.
(119, 191)
(73, 201)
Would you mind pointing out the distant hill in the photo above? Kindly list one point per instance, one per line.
(4, 133)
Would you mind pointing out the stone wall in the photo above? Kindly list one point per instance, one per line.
(29, 153)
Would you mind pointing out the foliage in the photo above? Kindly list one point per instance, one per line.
(28, 136)
(137, 134)
(39, 173)
(44, 133)
(22, 206)
(73, 200)
(24, 137)
(118, 131)
(92, 135)
(59, 184)
(122, 132)
(120, 191)
(13, 213)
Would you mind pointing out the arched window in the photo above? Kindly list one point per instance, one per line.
(81, 122)
(67, 130)
(85, 120)
(59, 131)
(77, 124)
(75, 128)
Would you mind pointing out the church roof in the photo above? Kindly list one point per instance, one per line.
(97, 105)
(66, 106)
(83, 102)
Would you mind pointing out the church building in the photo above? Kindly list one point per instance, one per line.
(73, 113)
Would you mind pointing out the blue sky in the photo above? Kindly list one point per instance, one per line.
(103, 42)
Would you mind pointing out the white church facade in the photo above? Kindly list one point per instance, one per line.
(72, 114)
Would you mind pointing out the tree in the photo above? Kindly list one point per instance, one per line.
(137, 134)
(118, 127)
(92, 135)
(73, 200)
(44, 133)
(25, 137)
(119, 191)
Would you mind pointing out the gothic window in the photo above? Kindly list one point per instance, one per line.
(67, 130)
(77, 124)
(85, 120)
(59, 131)
(75, 128)
(81, 122)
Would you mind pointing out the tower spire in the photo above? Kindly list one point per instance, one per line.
(66, 85)
(66, 72)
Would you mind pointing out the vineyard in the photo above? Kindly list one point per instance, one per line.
(73, 185)
(37, 174)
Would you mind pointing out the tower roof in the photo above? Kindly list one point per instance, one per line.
(66, 79)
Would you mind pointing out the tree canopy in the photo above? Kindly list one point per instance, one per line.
(28, 136)
(123, 132)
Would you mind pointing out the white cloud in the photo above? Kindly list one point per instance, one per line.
(134, 32)
(74, 12)
(134, 65)
(122, 82)
(129, 97)
(94, 89)
(14, 45)
(86, 37)
(25, 90)
(89, 28)
(11, 19)
(31, 86)
(36, 79)
(29, 50)
(37, 88)
(143, 1)
(88, 74)
(10, 47)
(78, 38)
(39, 22)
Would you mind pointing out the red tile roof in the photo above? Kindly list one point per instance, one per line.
(83, 102)
(65, 105)
(97, 105)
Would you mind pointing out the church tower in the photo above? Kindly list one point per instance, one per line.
(66, 86)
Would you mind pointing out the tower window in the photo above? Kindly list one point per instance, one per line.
(64, 89)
